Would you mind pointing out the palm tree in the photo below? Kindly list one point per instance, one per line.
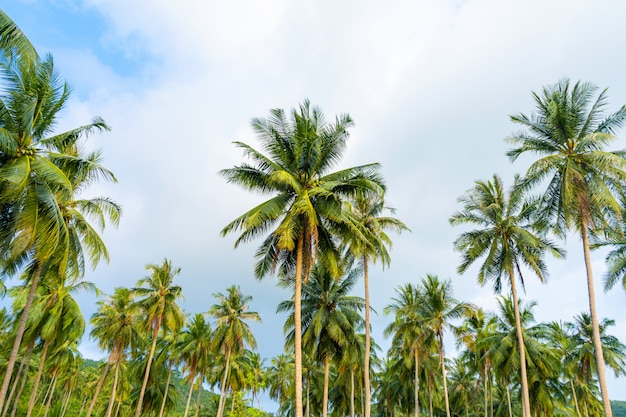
(370, 242)
(585, 182)
(115, 327)
(157, 301)
(33, 184)
(330, 317)
(439, 308)
(194, 346)
(307, 197)
(13, 43)
(505, 240)
(232, 333)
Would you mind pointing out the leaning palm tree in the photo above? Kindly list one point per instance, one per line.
(505, 240)
(370, 242)
(439, 308)
(33, 183)
(585, 182)
(232, 333)
(307, 198)
(157, 296)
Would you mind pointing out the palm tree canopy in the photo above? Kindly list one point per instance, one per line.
(13, 42)
(570, 132)
(231, 312)
(506, 237)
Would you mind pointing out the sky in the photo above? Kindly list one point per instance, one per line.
(430, 85)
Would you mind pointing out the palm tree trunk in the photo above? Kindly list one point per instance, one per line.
(193, 376)
(33, 394)
(575, 397)
(597, 343)
(155, 333)
(485, 397)
(366, 362)
(52, 387)
(222, 403)
(199, 393)
(417, 384)
(19, 334)
(298, 326)
(98, 388)
(113, 389)
(351, 391)
(167, 387)
(307, 411)
(22, 374)
(508, 399)
(522, 350)
(443, 373)
(325, 396)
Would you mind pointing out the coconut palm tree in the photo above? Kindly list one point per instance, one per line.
(307, 197)
(232, 333)
(32, 180)
(194, 346)
(370, 242)
(439, 308)
(115, 326)
(505, 240)
(156, 299)
(330, 317)
(585, 182)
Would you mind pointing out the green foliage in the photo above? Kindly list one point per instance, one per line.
(619, 408)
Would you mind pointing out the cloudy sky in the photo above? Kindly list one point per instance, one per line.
(430, 85)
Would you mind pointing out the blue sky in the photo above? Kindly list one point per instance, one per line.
(429, 83)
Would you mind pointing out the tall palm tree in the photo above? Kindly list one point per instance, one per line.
(157, 296)
(232, 333)
(505, 240)
(307, 197)
(194, 346)
(585, 182)
(330, 317)
(115, 326)
(439, 308)
(32, 178)
(370, 242)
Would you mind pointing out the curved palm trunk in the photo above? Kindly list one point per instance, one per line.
(508, 400)
(98, 388)
(20, 333)
(298, 327)
(167, 388)
(222, 402)
(571, 381)
(597, 343)
(366, 363)
(443, 373)
(417, 385)
(52, 387)
(199, 393)
(325, 396)
(155, 333)
(193, 376)
(522, 350)
(113, 389)
(33, 394)
(22, 374)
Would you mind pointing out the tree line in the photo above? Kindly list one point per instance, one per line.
(321, 230)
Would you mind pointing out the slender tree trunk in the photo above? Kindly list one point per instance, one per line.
(52, 387)
(485, 398)
(66, 403)
(366, 362)
(443, 373)
(222, 402)
(199, 393)
(92, 404)
(114, 388)
(597, 343)
(325, 395)
(298, 326)
(522, 350)
(19, 334)
(193, 376)
(82, 406)
(307, 411)
(575, 397)
(155, 333)
(118, 407)
(508, 399)
(416, 379)
(167, 387)
(351, 391)
(22, 375)
(33, 394)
